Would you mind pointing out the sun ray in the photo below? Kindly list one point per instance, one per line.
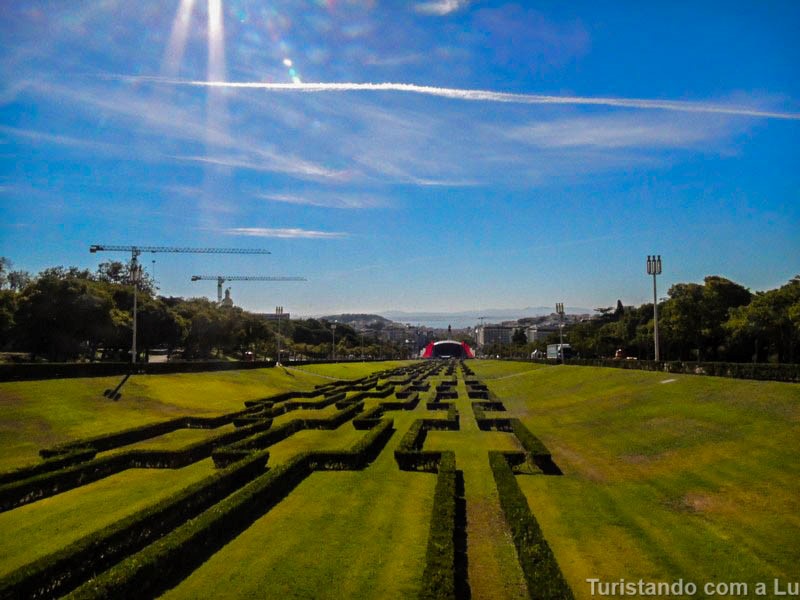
(173, 56)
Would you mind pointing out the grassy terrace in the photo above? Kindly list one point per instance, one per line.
(359, 534)
(665, 476)
(39, 414)
(34, 530)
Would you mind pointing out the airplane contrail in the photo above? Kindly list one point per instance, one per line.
(477, 95)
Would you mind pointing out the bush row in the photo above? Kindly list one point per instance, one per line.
(170, 558)
(369, 418)
(109, 441)
(50, 483)
(360, 454)
(272, 436)
(410, 403)
(760, 371)
(542, 573)
(58, 572)
(439, 575)
(60, 461)
(532, 444)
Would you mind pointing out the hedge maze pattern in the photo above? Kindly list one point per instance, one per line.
(152, 549)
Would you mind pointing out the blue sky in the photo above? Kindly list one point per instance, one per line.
(529, 152)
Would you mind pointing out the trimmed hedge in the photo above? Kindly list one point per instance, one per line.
(368, 419)
(51, 483)
(530, 442)
(360, 454)
(58, 572)
(60, 461)
(542, 573)
(153, 569)
(170, 558)
(409, 404)
(439, 575)
(760, 371)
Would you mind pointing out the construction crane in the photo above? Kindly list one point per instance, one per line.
(221, 279)
(136, 269)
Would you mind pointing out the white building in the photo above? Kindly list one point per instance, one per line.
(494, 334)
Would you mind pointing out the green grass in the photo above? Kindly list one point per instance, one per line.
(32, 531)
(360, 534)
(175, 440)
(354, 370)
(40, 414)
(494, 570)
(694, 478)
(495, 369)
(665, 477)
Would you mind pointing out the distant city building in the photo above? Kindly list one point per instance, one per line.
(536, 333)
(494, 334)
(273, 317)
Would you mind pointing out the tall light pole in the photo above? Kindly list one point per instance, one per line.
(333, 340)
(278, 313)
(136, 270)
(560, 311)
(654, 268)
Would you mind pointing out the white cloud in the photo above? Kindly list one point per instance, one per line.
(325, 200)
(614, 131)
(271, 163)
(284, 233)
(49, 138)
(440, 8)
(483, 96)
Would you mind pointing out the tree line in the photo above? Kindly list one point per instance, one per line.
(718, 320)
(64, 314)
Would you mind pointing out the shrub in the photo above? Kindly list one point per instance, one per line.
(439, 576)
(58, 572)
(539, 565)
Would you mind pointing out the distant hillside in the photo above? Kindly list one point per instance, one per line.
(359, 320)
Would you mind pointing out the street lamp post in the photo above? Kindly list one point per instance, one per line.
(333, 341)
(654, 268)
(278, 313)
(136, 270)
(560, 311)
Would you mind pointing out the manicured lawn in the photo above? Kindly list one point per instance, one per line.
(37, 529)
(495, 369)
(665, 476)
(360, 534)
(494, 570)
(40, 414)
(354, 370)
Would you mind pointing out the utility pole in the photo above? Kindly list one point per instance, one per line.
(654, 268)
(136, 269)
(560, 311)
(278, 313)
(333, 340)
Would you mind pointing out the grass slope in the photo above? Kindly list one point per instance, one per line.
(32, 531)
(359, 534)
(666, 476)
(39, 414)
